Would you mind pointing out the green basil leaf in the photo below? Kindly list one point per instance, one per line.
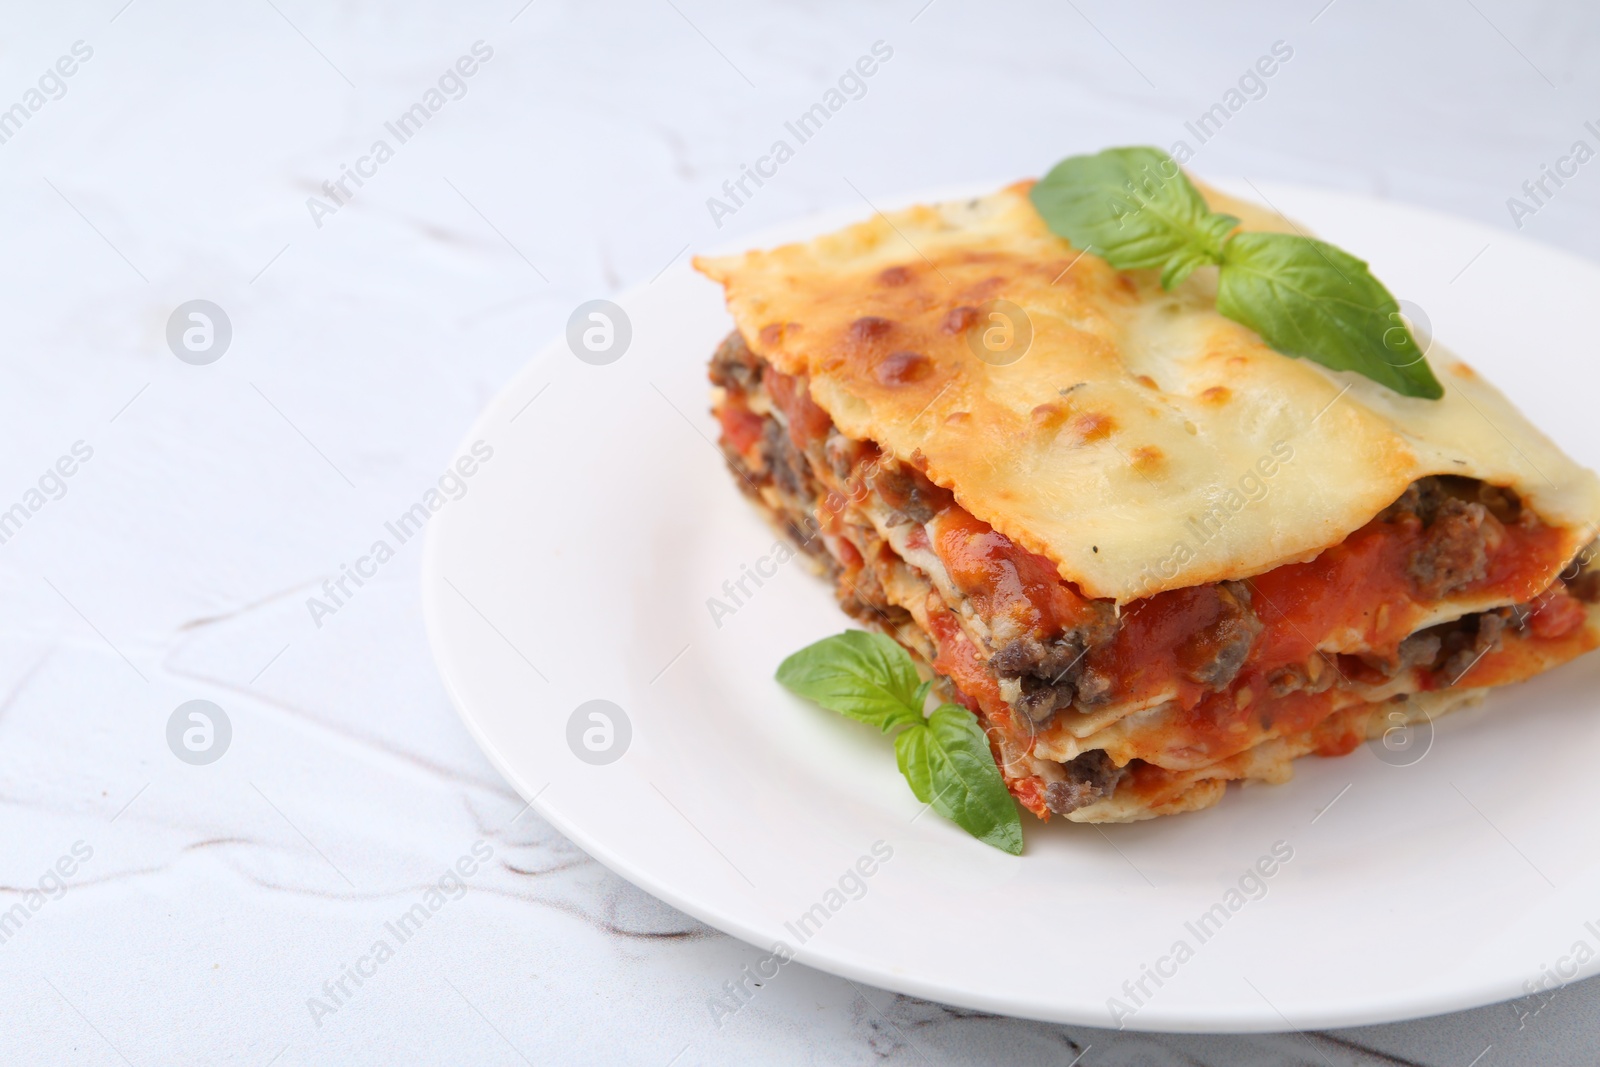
(1134, 208)
(949, 766)
(911, 753)
(945, 758)
(1307, 298)
(866, 676)
(1181, 266)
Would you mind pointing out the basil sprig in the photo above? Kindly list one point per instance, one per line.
(1137, 210)
(945, 757)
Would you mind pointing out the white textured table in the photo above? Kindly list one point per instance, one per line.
(155, 911)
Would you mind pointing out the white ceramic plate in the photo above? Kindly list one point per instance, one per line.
(578, 567)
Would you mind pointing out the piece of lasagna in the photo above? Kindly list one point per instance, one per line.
(1150, 553)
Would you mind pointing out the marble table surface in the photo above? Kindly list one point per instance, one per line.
(168, 151)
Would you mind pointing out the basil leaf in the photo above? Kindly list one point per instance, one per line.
(949, 766)
(945, 758)
(1134, 208)
(911, 754)
(1307, 298)
(866, 676)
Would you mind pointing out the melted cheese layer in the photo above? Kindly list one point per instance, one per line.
(1143, 442)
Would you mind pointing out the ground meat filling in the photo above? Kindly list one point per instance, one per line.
(782, 459)
(1469, 640)
(778, 462)
(1450, 649)
(1053, 674)
(1421, 649)
(734, 366)
(1459, 519)
(1582, 576)
(1586, 586)
(1090, 777)
(909, 500)
(1214, 654)
(1456, 553)
(1454, 515)
(1049, 673)
(1316, 676)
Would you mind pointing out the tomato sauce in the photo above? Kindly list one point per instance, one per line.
(1362, 585)
(741, 427)
(1002, 578)
(1146, 655)
(807, 421)
(1356, 591)
(960, 661)
(1515, 660)
(1556, 614)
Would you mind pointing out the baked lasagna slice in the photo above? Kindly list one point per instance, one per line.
(1150, 553)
